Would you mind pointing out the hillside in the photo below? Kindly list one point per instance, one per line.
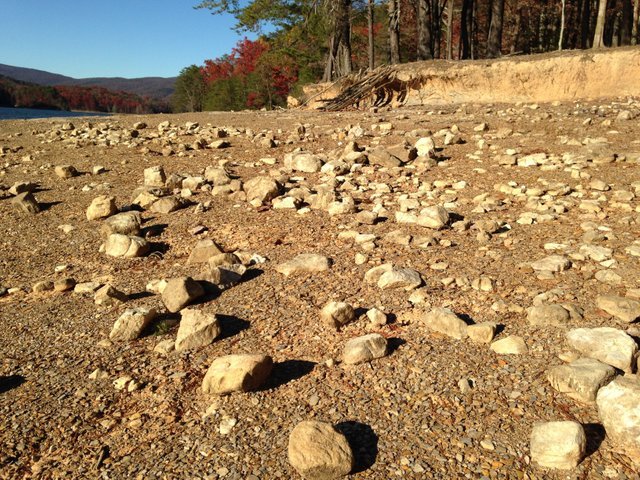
(154, 87)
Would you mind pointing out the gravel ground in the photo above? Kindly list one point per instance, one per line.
(404, 414)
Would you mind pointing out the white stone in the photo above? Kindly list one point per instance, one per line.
(558, 444)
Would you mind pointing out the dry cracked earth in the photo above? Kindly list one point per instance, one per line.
(516, 184)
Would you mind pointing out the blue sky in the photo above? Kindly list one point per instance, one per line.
(111, 38)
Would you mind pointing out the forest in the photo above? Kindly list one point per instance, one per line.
(306, 41)
(14, 93)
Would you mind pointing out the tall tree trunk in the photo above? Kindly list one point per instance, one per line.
(598, 37)
(626, 22)
(424, 30)
(436, 26)
(634, 27)
(394, 31)
(494, 42)
(339, 61)
(585, 25)
(450, 5)
(564, 5)
(466, 20)
(372, 52)
(518, 31)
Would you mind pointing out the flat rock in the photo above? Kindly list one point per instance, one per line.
(552, 263)
(624, 309)
(108, 296)
(305, 263)
(364, 349)
(511, 345)
(237, 373)
(166, 205)
(131, 324)
(180, 292)
(609, 345)
(404, 278)
(197, 329)
(619, 410)
(337, 314)
(317, 451)
(543, 315)
(445, 321)
(558, 444)
(581, 379)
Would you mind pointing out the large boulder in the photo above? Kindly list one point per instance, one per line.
(609, 345)
(126, 246)
(558, 444)
(317, 451)
(444, 321)
(197, 329)
(237, 373)
(131, 323)
(180, 292)
(619, 409)
(581, 379)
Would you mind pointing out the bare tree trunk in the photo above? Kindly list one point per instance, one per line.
(634, 27)
(626, 20)
(394, 31)
(598, 37)
(564, 4)
(424, 30)
(339, 61)
(450, 5)
(372, 52)
(494, 42)
(465, 29)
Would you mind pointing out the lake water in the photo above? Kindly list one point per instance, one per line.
(26, 113)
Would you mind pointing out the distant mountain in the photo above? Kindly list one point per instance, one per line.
(154, 87)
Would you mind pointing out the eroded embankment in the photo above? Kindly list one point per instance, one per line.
(559, 76)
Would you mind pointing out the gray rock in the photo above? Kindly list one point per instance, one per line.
(22, 187)
(237, 373)
(197, 329)
(624, 309)
(126, 223)
(262, 189)
(317, 451)
(364, 349)
(224, 275)
(131, 324)
(102, 207)
(26, 202)
(126, 246)
(404, 278)
(558, 444)
(581, 379)
(609, 345)
(166, 205)
(305, 263)
(444, 321)
(180, 292)
(380, 156)
(303, 162)
(543, 315)
(337, 314)
(619, 410)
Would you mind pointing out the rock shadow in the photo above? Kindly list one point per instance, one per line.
(153, 230)
(44, 206)
(139, 295)
(363, 441)
(595, 434)
(251, 274)
(10, 382)
(288, 371)
(231, 326)
(394, 343)
(162, 325)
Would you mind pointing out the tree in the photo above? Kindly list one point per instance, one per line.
(370, 34)
(450, 5)
(424, 30)
(189, 90)
(339, 57)
(562, 20)
(494, 40)
(466, 27)
(634, 27)
(394, 31)
(598, 37)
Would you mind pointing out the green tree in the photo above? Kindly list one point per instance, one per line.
(189, 91)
